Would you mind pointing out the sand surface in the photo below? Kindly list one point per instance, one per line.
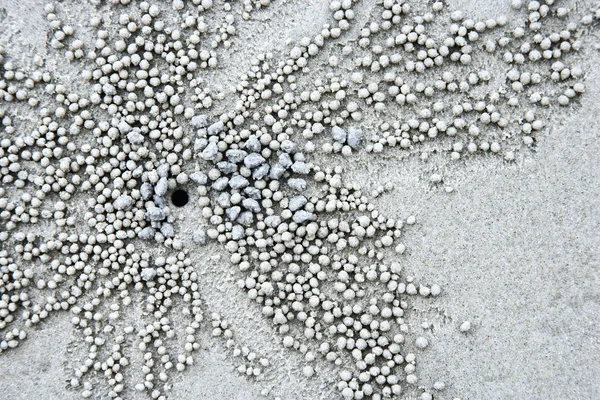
(515, 248)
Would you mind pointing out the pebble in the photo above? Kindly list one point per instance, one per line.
(297, 184)
(338, 134)
(253, 160)
(465, 326)
(148, 274)
(355, 136)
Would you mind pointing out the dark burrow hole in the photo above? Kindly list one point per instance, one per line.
(180, 198)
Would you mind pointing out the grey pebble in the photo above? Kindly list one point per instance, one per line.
(301, 216)
(200, 144)
(253, 144)
(210, 151)
(123, 202)
(236, 155)
(246, 218)
(238, 182)
(298, 184)
(216, 128)
(167, 230)
(159, 201)
(147, 233)
(148, 274)
(276, 171)
(163, 170)
(251, 205)
(338, 134)
(124, 127)
(220, 184)
(109, 89)
(233, 212)
(297, 202)
(146, 190)
(199, 236)
(161, 187)
(354, 137)
(288, 146)
(199, 178)
(224, 200)
(253, 160)
(237, 232)
(252, 192)
(227, 167)
(260, 172)
(300, 167)
(273, 221)
(155, 214)
(135, 137)
(285, 160)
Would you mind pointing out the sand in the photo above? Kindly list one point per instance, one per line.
(515, 247)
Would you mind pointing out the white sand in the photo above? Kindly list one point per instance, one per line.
(515, 247)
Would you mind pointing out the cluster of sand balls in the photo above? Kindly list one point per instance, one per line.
(322, 263)
(251, 364)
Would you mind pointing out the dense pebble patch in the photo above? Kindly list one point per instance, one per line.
(324, 266)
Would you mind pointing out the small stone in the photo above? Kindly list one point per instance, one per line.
(167, 230)
(215, 128)
(155, 214)
(146, 190)
(338, 134)
(252, 192)
(224, 199)
(159, 201)
(199, 236)
(123, 202)
(302, 216)
(421, 342)
(354, 137)
(238, 182)
(236, 155)
(227, 167)
(163, 170)
(253, 160)
(148, 274)
(220, 184)
(237, 232)
(161, 187)
(233, 212)
(297, 202)
(308, 371)
(246, 218)
(300, 167)
(465, 326)
(210, 151)
(276, 171)
(298, 184)
(260, 172)
(124, 127)
(200, 144)
(285, 160)
(147, 233)
(288, 146)
(273, 221)
(135, 137)
(199, 178)
(253, 144)
(251, 205)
